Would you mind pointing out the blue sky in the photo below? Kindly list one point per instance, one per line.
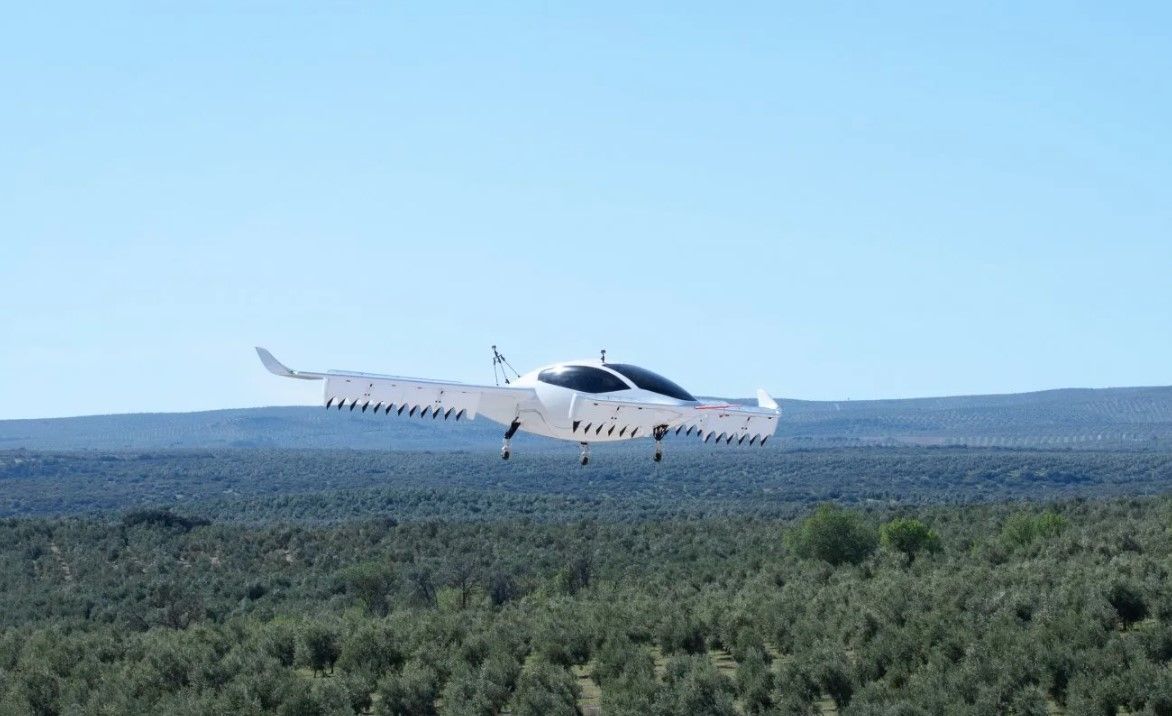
(830, 200)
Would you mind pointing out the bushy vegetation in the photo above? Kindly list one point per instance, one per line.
(909, 537)
(958, 613)
(834, 535)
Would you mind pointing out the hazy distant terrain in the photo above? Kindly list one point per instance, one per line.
(1109, 418)
(256, 485)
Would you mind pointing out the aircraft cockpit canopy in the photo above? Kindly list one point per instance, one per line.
(589, 379)
(582, 378)
(649, 381)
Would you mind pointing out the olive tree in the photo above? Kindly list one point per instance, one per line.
(834, 535)
(908, 536)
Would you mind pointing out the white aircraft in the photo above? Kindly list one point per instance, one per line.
(582, 400)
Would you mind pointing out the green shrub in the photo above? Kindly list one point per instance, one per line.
(370, 583)
(908, 536)
(633, 691)
(372, 648)
(411, 692)
(546, 690)
(754, 682)
(465, 695)
(681, 633)
(1128, 603)
(319, 647)
(834, 535)
(1023, 528)
(693, 685)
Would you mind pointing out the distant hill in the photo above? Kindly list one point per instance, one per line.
(1075, 418)
(283, 427)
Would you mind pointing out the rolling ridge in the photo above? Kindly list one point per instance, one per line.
(1109, 418)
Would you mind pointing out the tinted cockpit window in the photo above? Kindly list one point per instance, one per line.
(582, 378)
(653, 382)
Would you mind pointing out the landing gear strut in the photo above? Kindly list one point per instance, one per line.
(584, 455)
(658, 432)
(509, 436)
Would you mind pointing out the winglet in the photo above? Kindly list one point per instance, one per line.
(763, 399)
(275, 366)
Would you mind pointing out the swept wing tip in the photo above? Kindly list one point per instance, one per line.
(273, 365)
(764, 401)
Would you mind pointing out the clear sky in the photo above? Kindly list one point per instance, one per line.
(829, 200)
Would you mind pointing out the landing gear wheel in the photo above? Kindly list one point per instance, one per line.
(505, 452)
(584, 456)
(585, 460)
(658, 432)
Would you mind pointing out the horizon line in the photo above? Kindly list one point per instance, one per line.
(781, 400)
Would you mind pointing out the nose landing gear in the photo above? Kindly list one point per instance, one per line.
(584, 455)
(505, 452)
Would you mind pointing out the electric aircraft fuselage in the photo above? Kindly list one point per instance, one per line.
(585, 401)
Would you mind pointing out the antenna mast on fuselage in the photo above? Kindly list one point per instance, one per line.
(498, 367)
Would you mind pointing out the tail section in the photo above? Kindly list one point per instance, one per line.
(763, 399)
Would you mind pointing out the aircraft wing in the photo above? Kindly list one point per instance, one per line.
(595, 415)
(730, 421)
(409, 396)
